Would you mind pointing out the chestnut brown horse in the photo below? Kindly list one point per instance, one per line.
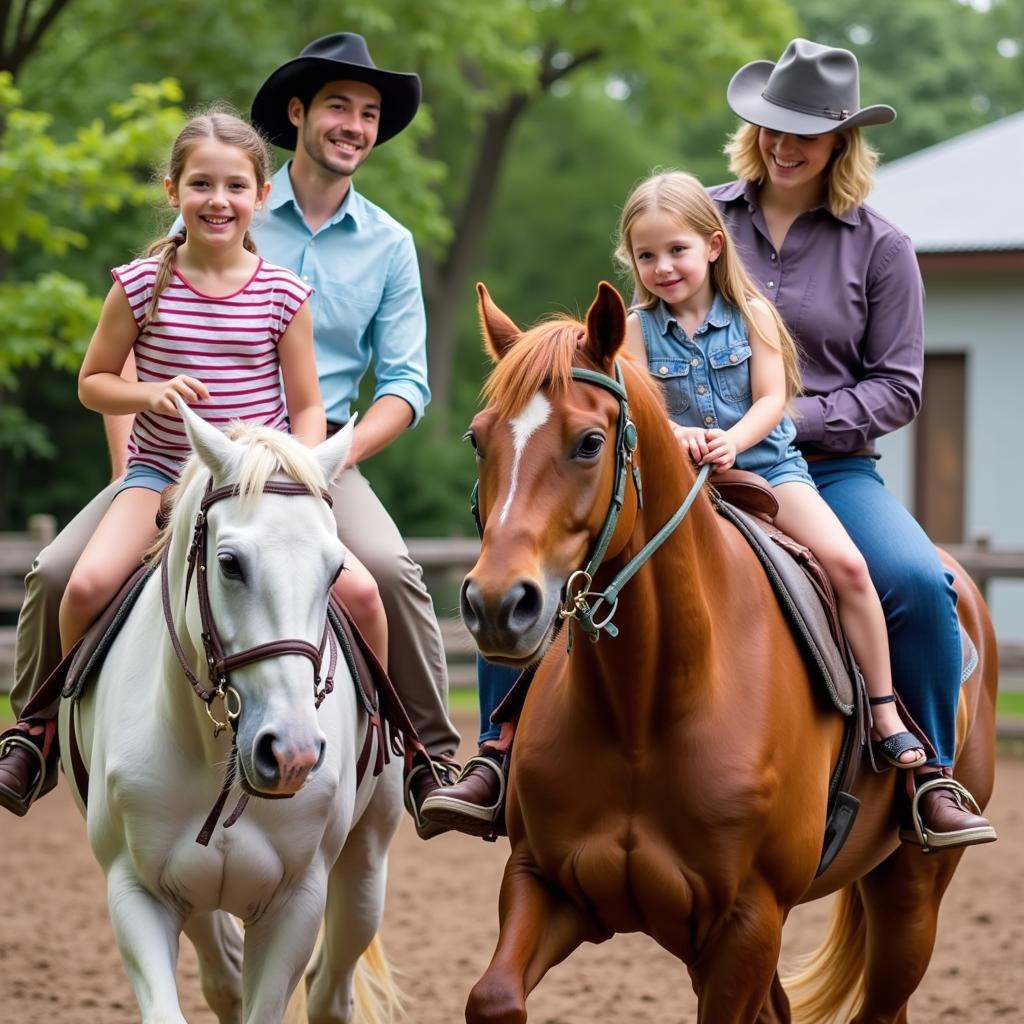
(672, 777)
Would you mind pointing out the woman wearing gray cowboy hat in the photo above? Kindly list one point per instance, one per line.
(847, 284)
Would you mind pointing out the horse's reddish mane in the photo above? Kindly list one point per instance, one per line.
(544, 356)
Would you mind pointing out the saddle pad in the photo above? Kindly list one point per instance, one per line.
(802, 602)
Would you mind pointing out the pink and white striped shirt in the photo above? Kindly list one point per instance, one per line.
(228, 342)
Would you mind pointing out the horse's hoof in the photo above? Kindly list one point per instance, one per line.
(495, 1002)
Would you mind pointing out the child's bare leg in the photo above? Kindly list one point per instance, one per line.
(805, 516)
(113, 553)
(357, 590)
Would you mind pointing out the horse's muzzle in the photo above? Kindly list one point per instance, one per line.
(279, 766)
(512, 623)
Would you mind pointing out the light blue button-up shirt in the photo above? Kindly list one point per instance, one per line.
(367, 301)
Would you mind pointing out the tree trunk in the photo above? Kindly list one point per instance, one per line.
(447, 284)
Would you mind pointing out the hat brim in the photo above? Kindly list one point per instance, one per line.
(399, 96)
(745, 99)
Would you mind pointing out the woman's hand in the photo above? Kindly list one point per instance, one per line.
(721, 449)
(691, 440)
(190, 390)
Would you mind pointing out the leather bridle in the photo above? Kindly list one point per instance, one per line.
(220, 664)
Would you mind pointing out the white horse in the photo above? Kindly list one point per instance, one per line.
(156, 766)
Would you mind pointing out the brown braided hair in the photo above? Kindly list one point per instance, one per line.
(225, 126)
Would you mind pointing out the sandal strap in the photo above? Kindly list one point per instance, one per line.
(959, 790)
(899, 743)
(889, 698)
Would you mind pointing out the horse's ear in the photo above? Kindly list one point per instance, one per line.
(332, 453)
(606, 324)
(216, 450)
(499, 331)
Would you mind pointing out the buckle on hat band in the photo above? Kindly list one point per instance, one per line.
(801, 108)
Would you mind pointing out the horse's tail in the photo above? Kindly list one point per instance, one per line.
(832, 977)
(378, 999)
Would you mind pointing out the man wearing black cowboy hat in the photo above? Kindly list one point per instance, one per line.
(330, 105)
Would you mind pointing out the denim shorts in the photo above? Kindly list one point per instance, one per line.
(140, 475)
(792, 468)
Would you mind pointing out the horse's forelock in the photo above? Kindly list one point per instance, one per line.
(542, 357)
(265, 452)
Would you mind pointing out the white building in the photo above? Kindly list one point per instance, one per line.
(960, 466)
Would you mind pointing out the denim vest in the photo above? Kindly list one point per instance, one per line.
(706, 379)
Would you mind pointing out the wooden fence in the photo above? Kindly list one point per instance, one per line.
(445, 561)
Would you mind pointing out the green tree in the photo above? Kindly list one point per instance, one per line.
(51, 194)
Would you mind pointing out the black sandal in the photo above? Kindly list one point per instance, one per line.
(891, 747)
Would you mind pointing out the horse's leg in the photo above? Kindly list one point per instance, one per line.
(734, 973)
(277, 949)
(536, 930)
(355, 907)
(218, 942)
(147, 935)
(901, 906)
(776, 1007)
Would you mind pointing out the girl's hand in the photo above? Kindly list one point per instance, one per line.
(691, 440)
(721, 449)
(190, 390)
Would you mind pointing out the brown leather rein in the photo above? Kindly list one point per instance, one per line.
(220, 664)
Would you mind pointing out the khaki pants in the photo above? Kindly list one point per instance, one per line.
(416, 661)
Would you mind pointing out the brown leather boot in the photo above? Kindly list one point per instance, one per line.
(26, 773)
(475, 805)
(423, 779)
(944, 815)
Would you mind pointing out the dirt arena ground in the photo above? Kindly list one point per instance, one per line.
(441, 924)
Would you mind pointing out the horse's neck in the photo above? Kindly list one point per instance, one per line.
(664, 616)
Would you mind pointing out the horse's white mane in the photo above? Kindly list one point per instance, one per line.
(263, 453)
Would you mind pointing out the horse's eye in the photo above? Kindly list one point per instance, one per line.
(590, 447)
(229, 565)
(471, 438)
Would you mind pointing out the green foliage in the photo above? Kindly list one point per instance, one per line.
(53, 194)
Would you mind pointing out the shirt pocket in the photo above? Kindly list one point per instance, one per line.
(730, 372)
(674, 377)
(367, 299)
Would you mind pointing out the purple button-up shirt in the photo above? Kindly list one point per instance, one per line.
(850, 291)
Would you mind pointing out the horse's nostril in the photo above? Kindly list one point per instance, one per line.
(468, 600)
(320, 757)
(524, 603)
(263, 756)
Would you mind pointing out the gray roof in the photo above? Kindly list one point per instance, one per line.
(963, 195)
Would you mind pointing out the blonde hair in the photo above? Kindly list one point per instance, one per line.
(849, 175)
(683, 198)
(225, 126)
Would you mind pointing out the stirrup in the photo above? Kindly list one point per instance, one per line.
(17, 740)
(930, 841)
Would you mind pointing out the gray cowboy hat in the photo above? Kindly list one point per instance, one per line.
(342, 56)
(813, 89)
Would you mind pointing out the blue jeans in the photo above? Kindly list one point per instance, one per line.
(915, 590)
(492, 683)
(916, 593)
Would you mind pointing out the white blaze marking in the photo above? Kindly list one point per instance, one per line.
(534, 416)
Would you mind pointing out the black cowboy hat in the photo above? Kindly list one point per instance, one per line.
(812, 89)
(342, 56)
